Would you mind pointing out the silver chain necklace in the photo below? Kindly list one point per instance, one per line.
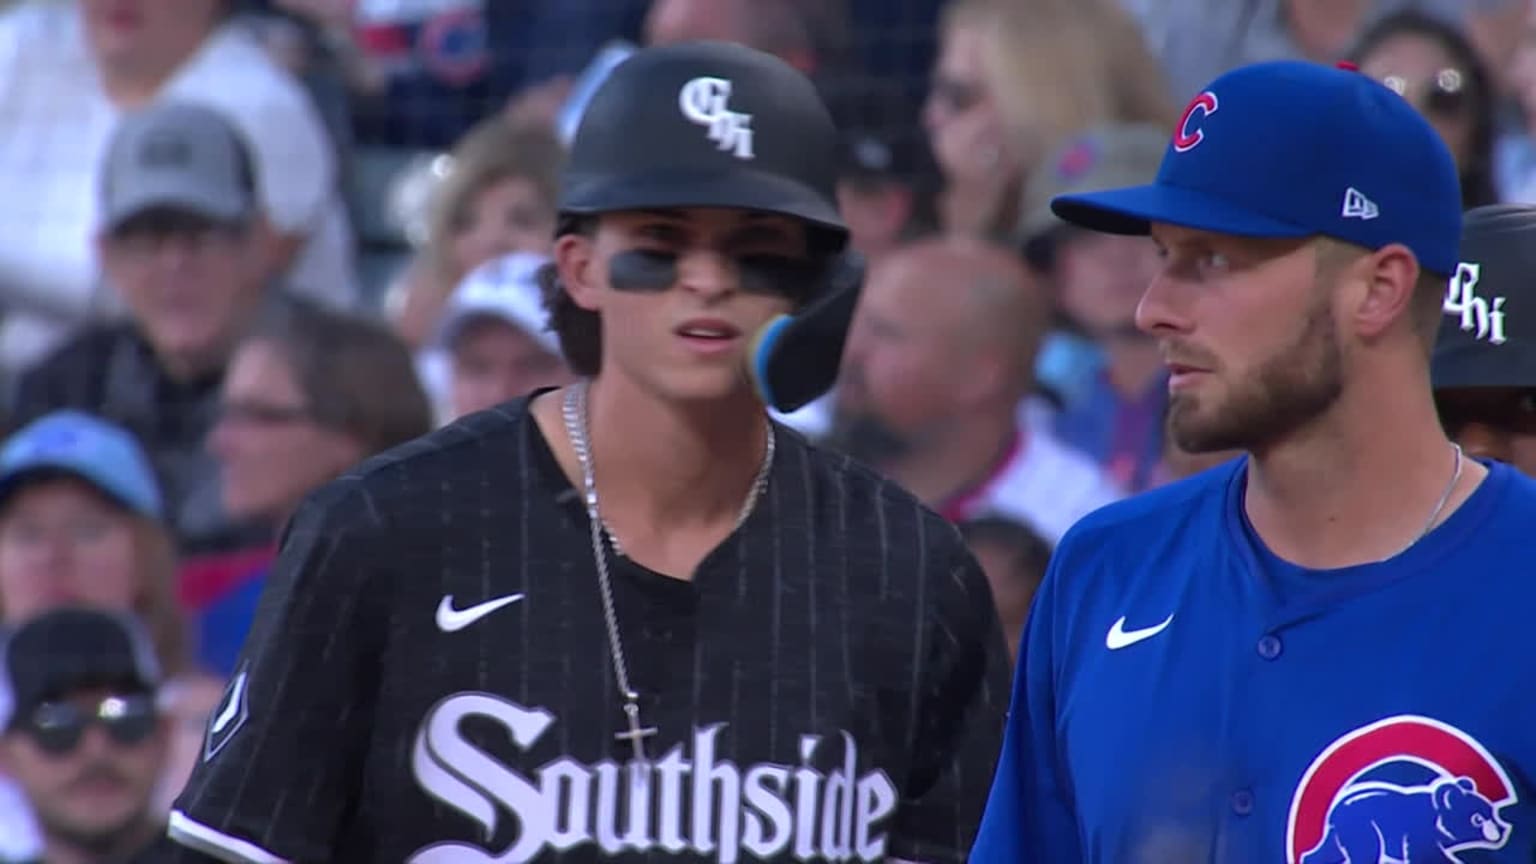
(574, 410)
(1445, 498)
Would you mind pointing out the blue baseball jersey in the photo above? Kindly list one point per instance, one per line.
(1185, 696)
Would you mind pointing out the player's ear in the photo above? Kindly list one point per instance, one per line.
(575, 261)
(1379, 290)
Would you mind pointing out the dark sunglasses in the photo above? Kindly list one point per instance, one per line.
(57, 727)
(1498, 409)
(1445, 93)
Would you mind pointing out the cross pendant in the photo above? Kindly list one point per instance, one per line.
(636, 734)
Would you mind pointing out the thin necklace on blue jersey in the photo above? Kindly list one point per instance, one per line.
(574, 410)
(1445, 498)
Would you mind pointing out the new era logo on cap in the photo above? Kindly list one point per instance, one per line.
(1357, 206)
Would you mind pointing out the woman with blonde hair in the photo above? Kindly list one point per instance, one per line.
(1014, 78)
(496, 195)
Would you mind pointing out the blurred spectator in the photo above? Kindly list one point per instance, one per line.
(888, 183)
(1015, 77)
(80, 524)
(301, 49)
(67, 71)
(938, 360)
(496, 195)
(309, 394)
(182, 243)
(417, 73)
(1496, 29)
(84, 737)
(1014, 559)
(810, 36)
(1197, 40)
(896, 43)
(1515, 151)
(494, 345)
(420, 73)
(1430, 62)
(1108, 374)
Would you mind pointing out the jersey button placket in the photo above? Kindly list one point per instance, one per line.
(1242, 802)
(1270, 646)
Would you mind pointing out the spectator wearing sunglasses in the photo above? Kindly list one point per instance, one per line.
(1485, 356)
(1432, 64)
(82, 524)
(83, 736)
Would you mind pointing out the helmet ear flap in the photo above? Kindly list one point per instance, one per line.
(794, 359)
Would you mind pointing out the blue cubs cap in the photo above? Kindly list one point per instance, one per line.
(100, 453)
(1296, 149)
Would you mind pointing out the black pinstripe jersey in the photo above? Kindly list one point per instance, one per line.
(428, 678)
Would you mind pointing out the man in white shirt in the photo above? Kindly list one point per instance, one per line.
(938, 362)
(68, 70)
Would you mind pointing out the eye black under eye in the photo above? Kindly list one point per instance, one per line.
(782, 275)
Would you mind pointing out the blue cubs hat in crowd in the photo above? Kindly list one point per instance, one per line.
(1296, 149)
(100, 453)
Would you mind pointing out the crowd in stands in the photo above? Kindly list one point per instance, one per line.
(246, 245)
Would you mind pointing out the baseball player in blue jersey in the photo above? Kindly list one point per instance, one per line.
(1484, 369)
(1320, 652)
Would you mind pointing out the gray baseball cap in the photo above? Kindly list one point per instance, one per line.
(178, 157)
(1103, 157)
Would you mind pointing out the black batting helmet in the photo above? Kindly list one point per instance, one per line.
(706, 124)
(1487, 334)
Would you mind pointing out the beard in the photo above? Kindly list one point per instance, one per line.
(865, 437)
(1289, 389)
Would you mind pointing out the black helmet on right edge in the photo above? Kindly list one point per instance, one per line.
(1487, 334)
(1484, 368)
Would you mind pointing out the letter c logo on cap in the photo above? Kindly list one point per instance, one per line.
(1188, 134)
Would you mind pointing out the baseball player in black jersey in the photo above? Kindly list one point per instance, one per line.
(1485, 355)
(633, 619)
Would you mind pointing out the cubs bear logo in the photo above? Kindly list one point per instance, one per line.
(1409, 789)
